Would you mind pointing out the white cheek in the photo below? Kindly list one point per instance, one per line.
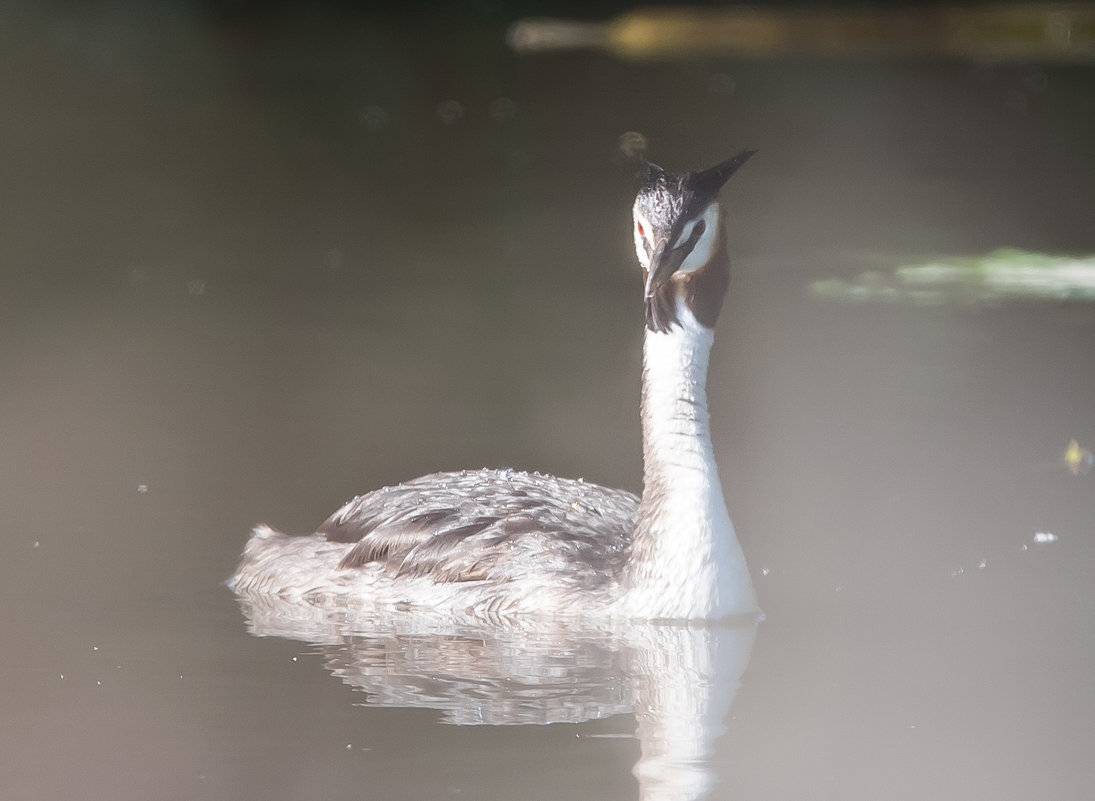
(705, 247)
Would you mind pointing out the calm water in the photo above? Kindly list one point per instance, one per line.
(250, 269)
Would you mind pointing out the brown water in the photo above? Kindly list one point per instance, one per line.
(247, 271)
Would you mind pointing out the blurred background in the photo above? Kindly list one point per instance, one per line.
(256, 258)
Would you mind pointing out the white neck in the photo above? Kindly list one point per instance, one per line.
(686, 561)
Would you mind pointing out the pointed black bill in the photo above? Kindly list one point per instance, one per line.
(665, 261)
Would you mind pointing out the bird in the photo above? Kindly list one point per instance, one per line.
(506, 543)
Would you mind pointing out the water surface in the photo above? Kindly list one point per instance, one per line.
(250, 270)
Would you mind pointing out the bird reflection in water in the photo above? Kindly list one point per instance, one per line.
(678, 680)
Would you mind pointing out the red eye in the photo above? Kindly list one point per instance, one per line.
(639, 225)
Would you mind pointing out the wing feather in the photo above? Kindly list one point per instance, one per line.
(456, 527)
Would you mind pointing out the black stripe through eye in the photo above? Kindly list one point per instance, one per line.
(697, 232)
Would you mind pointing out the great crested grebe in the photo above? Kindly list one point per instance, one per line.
(502, 542)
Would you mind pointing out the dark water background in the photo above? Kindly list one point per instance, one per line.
(253, 265)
